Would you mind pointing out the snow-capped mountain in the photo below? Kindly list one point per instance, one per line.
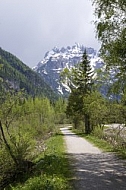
(57, 59)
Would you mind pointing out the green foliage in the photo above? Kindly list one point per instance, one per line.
(86, 103)
(111, 31)
(60, 109)
(45, 114)
(81, 85)
(44, 182)
(52, 170)
(16, 140)
(74, 108)
(82, 75)
(24, 122)
(96, 106)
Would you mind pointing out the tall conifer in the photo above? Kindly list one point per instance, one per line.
(82, 85)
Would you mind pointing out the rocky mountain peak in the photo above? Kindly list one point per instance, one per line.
(57, 59)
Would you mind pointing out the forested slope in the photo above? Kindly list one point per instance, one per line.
(16, 75)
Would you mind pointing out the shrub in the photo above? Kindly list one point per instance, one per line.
(43, 182)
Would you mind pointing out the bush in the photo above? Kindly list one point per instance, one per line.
(98, 132)
(43, 182)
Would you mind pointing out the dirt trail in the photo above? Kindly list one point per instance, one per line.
(93, 169)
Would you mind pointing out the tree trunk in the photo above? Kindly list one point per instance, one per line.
(87, 124)
(7, 145)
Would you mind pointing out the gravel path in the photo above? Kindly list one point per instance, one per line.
(93, 169)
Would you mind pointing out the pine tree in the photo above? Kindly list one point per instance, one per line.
(83, 75)
(82, 85)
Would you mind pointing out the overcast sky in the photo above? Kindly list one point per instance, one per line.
(30, 28)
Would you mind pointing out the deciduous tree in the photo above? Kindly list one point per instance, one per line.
(111, 31)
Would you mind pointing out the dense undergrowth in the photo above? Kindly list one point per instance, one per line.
(50, 171)
(26, 125)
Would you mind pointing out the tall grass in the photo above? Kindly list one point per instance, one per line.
(51, 171)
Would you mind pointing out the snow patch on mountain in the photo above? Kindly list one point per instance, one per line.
(57, 59)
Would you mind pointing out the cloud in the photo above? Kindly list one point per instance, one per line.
(30, 28)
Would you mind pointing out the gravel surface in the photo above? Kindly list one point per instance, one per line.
(93, 169)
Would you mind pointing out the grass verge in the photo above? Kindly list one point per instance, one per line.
(102, 144)
(51, 171)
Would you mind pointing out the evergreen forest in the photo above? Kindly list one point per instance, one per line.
(16, 75)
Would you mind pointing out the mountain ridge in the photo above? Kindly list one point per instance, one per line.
(16, 75)
(57, 59)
